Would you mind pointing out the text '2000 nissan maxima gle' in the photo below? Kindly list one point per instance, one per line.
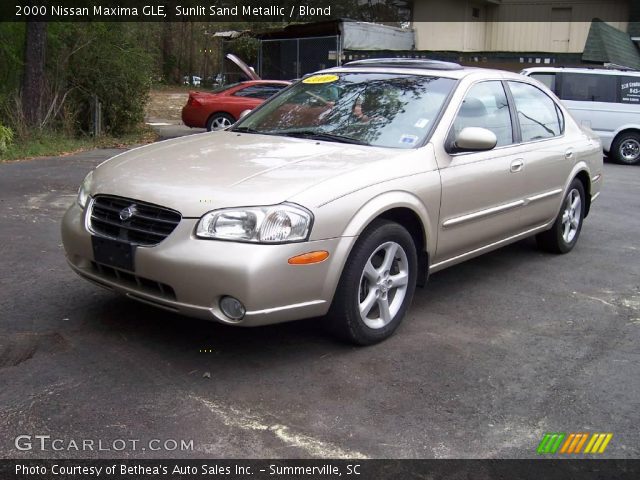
(338, 196)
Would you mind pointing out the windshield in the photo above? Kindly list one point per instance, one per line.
(386, 110)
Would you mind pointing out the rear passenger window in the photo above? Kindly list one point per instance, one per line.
(486, 106)
(586, 87)
(538, 115)
(548, 79)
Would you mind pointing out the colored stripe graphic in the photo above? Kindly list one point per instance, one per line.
(598, 443)
(550, 442)
(581, 443)
(566, 445)
(573, 443)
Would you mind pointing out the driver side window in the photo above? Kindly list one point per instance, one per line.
(486, 106)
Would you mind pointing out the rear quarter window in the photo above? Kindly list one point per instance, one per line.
(548, 79)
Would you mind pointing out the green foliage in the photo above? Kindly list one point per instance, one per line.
(6, 138)
(244, 47)
(113, 62)
(49, 144)
(109, 63)
(11, 52)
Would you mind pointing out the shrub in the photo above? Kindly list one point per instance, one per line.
(114, 68)
(6, 137)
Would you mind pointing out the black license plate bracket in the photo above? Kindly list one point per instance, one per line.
(114, 253)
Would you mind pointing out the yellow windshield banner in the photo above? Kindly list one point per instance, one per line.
(328, 78)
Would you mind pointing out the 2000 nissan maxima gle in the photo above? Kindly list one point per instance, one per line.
(338, 196)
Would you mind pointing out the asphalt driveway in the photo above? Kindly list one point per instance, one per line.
(494, 353)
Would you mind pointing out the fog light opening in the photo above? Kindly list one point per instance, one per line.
(232, 308)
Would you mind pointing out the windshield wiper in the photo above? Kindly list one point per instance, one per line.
(245, 130)
(331, 137)
(253, 130)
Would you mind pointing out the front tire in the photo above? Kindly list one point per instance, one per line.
(626, 148)
(377, 284)
(218, 121)
(564, 233)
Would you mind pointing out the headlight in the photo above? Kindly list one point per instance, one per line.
(83, 192)
(275, 224)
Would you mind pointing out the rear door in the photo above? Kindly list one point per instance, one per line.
(547, 154)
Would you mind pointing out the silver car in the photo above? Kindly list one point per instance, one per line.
(338, 196)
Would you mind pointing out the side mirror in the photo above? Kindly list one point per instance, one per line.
(244, 113)
(474, 139)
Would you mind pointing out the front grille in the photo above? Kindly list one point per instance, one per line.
(148, 225)
(135, 282)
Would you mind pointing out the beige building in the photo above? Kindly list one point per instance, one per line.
(560, 26)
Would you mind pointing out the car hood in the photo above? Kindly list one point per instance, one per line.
(203, 172)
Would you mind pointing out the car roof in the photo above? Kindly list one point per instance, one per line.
(405, 63)
(422, 67)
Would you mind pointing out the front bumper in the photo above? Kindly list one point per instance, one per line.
(188, 275)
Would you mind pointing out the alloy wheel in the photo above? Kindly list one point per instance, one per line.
(383, 285)
(571, 216)
(219, 123)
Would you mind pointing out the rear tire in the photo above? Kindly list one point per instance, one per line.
(626, 148)
(218, 121)
(377, 284)
(564, 233)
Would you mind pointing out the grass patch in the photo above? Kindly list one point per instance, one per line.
(53, 144)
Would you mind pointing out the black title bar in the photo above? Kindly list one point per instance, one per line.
(549, 469)
(289, 11)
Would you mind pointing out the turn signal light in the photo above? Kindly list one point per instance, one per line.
(309, 258)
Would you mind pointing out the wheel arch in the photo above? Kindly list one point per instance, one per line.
(625, 129)
(585, 179)
(411, 221)
(406, 210)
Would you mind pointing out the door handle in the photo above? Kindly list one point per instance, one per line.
(568, 154)
(517, 165)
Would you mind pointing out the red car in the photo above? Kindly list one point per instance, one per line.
(222, 107)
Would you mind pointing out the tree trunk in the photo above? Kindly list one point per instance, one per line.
(169, 67)
(33, 76)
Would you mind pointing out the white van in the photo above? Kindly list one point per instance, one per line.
(607, 101)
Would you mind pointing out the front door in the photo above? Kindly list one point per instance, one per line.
(481, 191)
